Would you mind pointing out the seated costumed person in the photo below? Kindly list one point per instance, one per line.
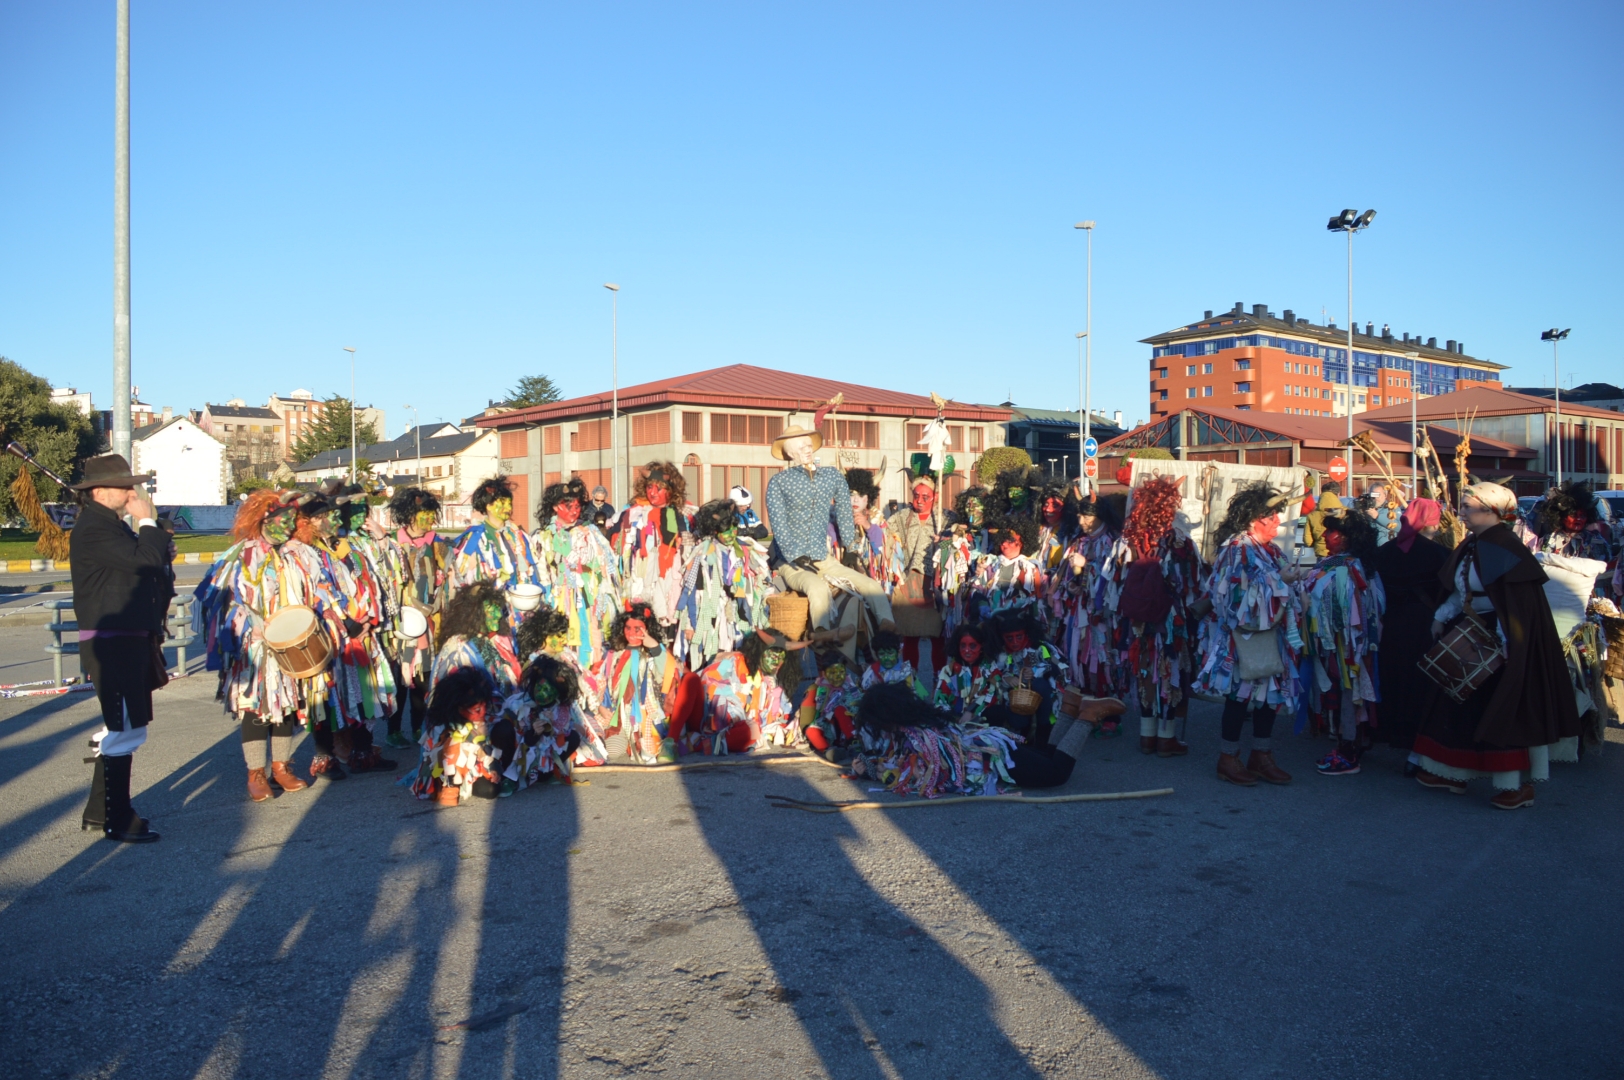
(270, 567)
(546, 632)
(1024, 660)
(915, 748)
(724, 587)
(829, 705)
(1088, 639)
(477, 632)
(1009, 579)
(958, 553)
(1568, 522)
(889, 665)
(1157, 586)
(748, 699)
(1509, 727)
(579, 568)
(1344, 604)
(371, 597)
(970, 681)
(653, 538)
(459, 761)
(541, 726)
(494, 550)
(418, 556)
(644, 698)
(1250, 643)
(800, 502)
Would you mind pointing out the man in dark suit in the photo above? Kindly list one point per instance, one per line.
(120, 597)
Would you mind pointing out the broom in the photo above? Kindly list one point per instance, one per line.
(52, 542)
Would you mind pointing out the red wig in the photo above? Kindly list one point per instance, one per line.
(252, 513)
(1155, 504)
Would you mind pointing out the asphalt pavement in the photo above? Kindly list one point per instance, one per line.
(674, 923)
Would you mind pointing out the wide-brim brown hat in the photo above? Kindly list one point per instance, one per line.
(795, 433)
(110, 470)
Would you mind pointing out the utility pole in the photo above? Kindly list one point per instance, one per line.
(121, 236)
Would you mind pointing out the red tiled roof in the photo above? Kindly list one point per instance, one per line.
(1486, 401)
(747, 386)
(1390, 433)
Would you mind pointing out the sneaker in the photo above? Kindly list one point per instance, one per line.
(328, 767)
(1439, 783)
(1334, 764)
(395, 740)
(508, 788)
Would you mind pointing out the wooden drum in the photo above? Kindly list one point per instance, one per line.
(1464, 658)
(295, 639)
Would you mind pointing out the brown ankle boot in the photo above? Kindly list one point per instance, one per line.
(1262, 763)
(1147, 744)
(284, 777)
(1171, 747)
(1230, 768)
(1095, 709)
(258, 788)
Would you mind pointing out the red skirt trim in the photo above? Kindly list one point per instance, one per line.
(1484, 761)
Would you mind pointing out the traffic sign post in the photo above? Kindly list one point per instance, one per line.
(1338, 470)
(1091, 467)
(1091, 447)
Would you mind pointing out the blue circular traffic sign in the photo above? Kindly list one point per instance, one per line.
(1091, 446)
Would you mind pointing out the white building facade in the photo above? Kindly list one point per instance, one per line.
(189, 464)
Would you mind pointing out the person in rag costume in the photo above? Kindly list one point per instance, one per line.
(540, 727)
(1157, 587)
(1507, 728)
(889, 665)
(1251, 641)
(1089, 630)
(829, 705)
(418, 556)
(1344, 605)
(970, 681)
(646, 699)
(1008, 578)
(1568, 522)
(494, 550)
(1408, 568)
(800, 502)
(724, 587)
(477, 631)
(463, 762)
(881, 557)
(916, 748)
(1025, 659)
(653, 535)
(579, 568)
(270, 566)
(959, 551)
(748, 699)
(366, 683)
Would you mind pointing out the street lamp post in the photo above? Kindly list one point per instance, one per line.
(351, 350)
(1350, 222)
(417, 430)
(614, 398)
(1088, 342)
(1415, 433)
(1083, 373)
(121, 235)
(1553, 335)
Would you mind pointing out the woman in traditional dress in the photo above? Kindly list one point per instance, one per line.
(1156, 585)
(1344, 609)
(747, 698)
(645, 698)
(1408, 568)
(271, 566)
(495, 550)
(579, 568)
(653, 535)
(1251, 641)
(724, 587)
(417, 555)
(1505, 729)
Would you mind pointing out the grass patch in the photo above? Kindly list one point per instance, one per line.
(19, 543)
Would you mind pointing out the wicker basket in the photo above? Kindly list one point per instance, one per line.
(788, 613)
(1615, 647)
(1024, 701)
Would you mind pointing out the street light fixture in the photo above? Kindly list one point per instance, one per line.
(614, 406)
(417, 430)
(1350, 222)
(1553, 335)
(351, 350)
(1088, 346)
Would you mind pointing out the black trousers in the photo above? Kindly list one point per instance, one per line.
(120, 668)
(1235, 717)
(1036, 768)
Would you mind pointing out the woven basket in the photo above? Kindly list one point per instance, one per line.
(788, 613)
(1615, 647)
(1024, 701)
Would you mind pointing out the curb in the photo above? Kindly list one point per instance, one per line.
(38, 566)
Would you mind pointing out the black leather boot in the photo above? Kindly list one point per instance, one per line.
(121, 822)
(96, 806)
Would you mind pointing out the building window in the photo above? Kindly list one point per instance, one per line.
(1189, 391)
(1206, 391)
(1163, 396)
(856, 434)
(514, 444)
(651, 429)
(745, 430)
(549, 479)
(1243, 388)
(1189, 369)
(1163, 373)
(1243, 365)
(975, 440)
(552, 440)
(955, 437)
(590, 435)
(693, 427)
(1206, 369)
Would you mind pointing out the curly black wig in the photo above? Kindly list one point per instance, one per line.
(573, 488)
(887, 640)
(1253, 502)
(1018, 619)
(828, 657)
(1025, 477)
(641, 611)
(1573, 497)
(488, 491)
(409, 502)
(1359, 532)
(540, 625)
(1024, 529)
(667, 473)
(465, 614)
(1111, 511)
(753, 647)
(861, 482)
(975, 632)
(961, 505)
(889, 706)
(715, 516)
(455, 692)
(545, 669)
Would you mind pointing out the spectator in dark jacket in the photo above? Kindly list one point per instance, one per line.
(121, 586)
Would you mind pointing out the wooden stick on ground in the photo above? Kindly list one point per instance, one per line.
(784, 802)
(587, 771)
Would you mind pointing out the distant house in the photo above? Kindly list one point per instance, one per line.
(1050, 436)
(189, 465)
(454, 461)
(253, 437)
(1595, 395)
(301, 409)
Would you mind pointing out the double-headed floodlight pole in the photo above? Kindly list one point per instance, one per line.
(1553, 335)
(1087, 337)
(1350, 222)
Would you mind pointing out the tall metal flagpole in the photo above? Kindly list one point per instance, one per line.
(1350, 362)
(614, 401)
(121, 236)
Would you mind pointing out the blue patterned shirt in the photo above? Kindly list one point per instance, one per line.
(799, 507)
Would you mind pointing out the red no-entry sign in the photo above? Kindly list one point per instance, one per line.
(1091, 467)
(1339, 469)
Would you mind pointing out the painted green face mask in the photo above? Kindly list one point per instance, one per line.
(886, 657)
(835, 674)
(972, 507)
(1017, 497)
(357, 517)
(493, 618)
(544, 693)
(729, 535)
(772, 660)
(278, 527)
(332, 521)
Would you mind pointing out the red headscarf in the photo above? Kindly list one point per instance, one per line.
(1420, 514)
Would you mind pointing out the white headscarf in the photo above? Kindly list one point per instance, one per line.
(1502, 500)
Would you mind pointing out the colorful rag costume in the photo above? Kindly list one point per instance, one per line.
(964, 688)
(742, 710)
(543, 737)
(1157, 655)
(365, 682)
(1088, 632)
(957, 556)
(581, 579)
(651, 541)
(1005, 584)
(502, 556)
(1343, 606)
(641, 695)
(956, 759)
(900, 672)
(724, 596)
(1249, 596)
(418, 566)
(829, 708)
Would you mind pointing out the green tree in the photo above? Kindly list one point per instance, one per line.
(533, 390)
(332, 431)
(248, 483)
(60, 436)
(998, 459)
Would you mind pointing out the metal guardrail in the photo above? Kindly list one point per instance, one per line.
(177, 627)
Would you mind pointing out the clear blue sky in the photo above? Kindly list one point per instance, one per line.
(874, 192)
